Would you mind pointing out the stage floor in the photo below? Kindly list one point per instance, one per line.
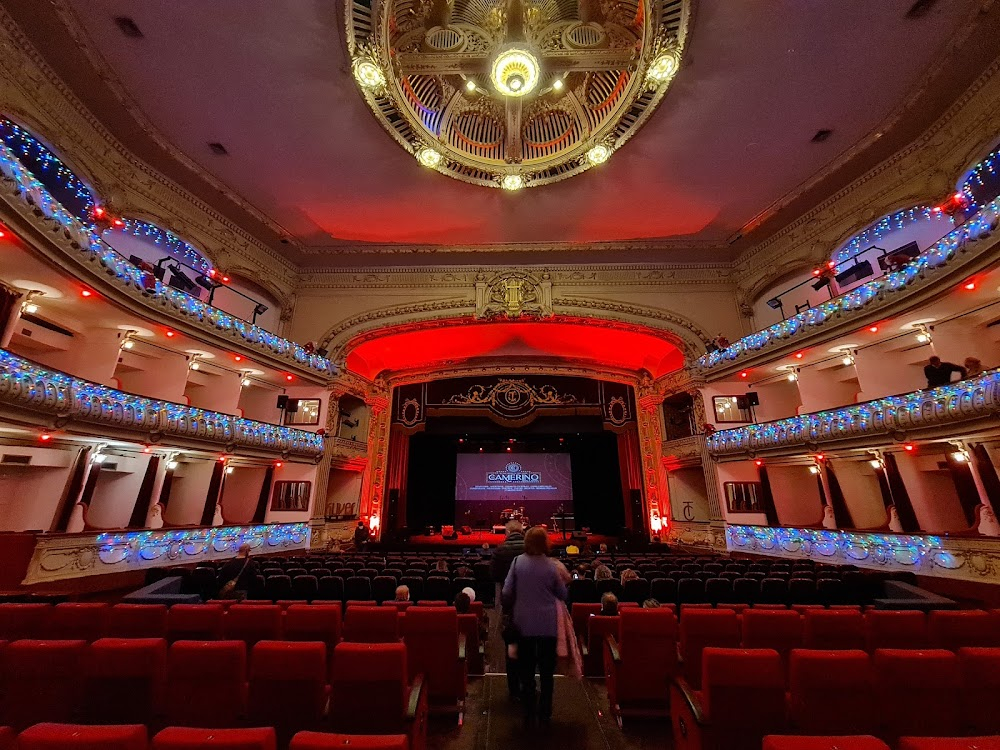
(478, 538)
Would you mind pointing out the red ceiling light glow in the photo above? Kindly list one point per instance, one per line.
(86, 293)
(170, 334)
(225, 279)
(118, 223)
(758, 462)
(237, 357)
(816, 272)
(909, 447)
(278, 464)
(99, 212)
(744, 374)
(45, 437)
(969, 285)
(820, 457)
(798, 355)
(2, 234)
(211, 273)
(147, 449)
(873, 329)
(289, 378)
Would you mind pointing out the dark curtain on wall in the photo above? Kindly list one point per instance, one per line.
(397, 472)
(766, 498)
(965, 486)
(841, 513)
(142, 500)
(214, 490)
(987, 473)
(899, 496)
(265, 494)
(164, 498)
(73, 488)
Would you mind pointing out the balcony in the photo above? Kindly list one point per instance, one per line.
(28, 387)
(927, 413)
(77, 242)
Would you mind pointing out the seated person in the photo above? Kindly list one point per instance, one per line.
(629, 575)
(402, 593)
(609, 604)
(602, 573)
(485, 552)
(463, 605)
(651, 603)
(441, 566)
(463, 571)
(572, 550)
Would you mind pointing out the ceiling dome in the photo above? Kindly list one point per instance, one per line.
(514, 93)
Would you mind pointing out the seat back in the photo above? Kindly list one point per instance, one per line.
(331, 589)
(636, 590)
(831, 692)
(980, 669)
(19, 620)
(468, 625)
(206, 681)
(383, 588)
(78, 620)
(137, 621)
(744, 695)
(253, 622)
(648, 641)
(892, 628)
(371, 624)
(314, 622)
(52, 736)
(701, 628)
(580, 614)
(368, 690)
(955, 629)
(287, 685)
(834, 629)
(190, 738)
(195, 622)
(690, 590)
(582, 590)
(919, 692)
(431, 638)
(41, 681)
(780, 629)
(125, 680)
(598, 628)
(358, 588)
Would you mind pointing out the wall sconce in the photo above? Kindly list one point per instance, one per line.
(195, 365)
(923, 334)
(814, 469)
(30, 306)
(848, 359)
(793, 375)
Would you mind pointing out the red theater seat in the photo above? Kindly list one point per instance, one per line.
(42, 681)
(580, 614)
(830, 692)
(137, 621)
(701, 628)
(742, 699)
(777, 629)
(640, 668)
(372, 625)
(980, 669)
(903, 628)
(185, 738)
(918, 692)
(370, 693)
(287, 686)
(962, 628)
(599, 627)
(854, 742)
(206, 683)
(83, 737)
(475, 653)
(195, 622)
(325, 741)
(125, 680)
(253, 622)
(314, 622)
(71, 620)
(831, 629)
(949, 743)
(19, 621)
(436, 650)
(8, 738)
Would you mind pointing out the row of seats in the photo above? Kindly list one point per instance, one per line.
(384, 688)
(892, 694)
(867, 742)
(785, 630)
(54, 736)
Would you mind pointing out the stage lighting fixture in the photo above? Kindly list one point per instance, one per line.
(899, 256)
(855, 273)
(179, 280)
(774, 303)
(322, 352)
(260, 309)
(821, 282)
(207, 282)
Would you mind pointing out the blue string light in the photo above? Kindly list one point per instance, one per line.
(137, 546)
(886, 225)
(170, 242)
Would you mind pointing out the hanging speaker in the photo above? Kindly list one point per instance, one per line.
(282, 401)
(752, 398)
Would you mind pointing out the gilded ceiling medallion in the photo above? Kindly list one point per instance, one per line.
(514, 93)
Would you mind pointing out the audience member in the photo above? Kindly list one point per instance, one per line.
(503, 557)
(469, 592)
(402, 593)
(629, 575)
(602, 549)
(237, 574)
(651, 603)
(603, 573)
(361, 535)
(973, 367)
(485, 552)
(609, 604)
(441, 566)
(462, 603)
(939, 373)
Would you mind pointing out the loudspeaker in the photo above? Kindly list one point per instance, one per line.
(855, 273)
(466, 531)
(638, 517)
(752, 398)
(392, 511)
(282, 401)
(291, 406)
(742, 403)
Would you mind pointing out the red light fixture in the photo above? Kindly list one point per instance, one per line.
(873, 329)
(820, 457)
(830, 264)
(909, 447)
(278, 464)
(289, 378)
(816, 272)
(758, 462)
(45, 437)
(744, 374)
(222, 458)
(211, 273)
(509, 449)
(147, 449)
(798, 355)
(969, 285)
(237, 357)
(2, 234)
(170, 334)
(118, 223)
(86, 293)
(225, 279)
(99, 212)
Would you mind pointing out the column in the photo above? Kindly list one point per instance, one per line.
(656, 498)
(373, 485)
(317, 522)
(707, 462)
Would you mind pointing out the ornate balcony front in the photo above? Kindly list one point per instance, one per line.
(928, 413)
(63, 398)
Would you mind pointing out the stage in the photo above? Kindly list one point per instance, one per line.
(478, 538)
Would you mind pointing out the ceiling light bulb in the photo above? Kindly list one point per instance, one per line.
(814, 470)
(428, 157)
(515, 72)
(599, 154)
(229, 469)
(100, 458)
(245, 382)
(923, 337)
(663, 67)
(792, 377)
(195, 366)
(875, 463)
(848, 360)
(367, 73)
(128, 344)
(557, 84)
(959, 457)
(30, 307)
(171, 465)
(470, 85)
(512, 182)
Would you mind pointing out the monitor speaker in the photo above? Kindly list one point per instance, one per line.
(282, 401)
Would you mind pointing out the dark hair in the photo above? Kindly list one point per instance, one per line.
(651, 603)
(462, 603)
(536, 542)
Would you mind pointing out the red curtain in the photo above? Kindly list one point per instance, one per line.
(397, 473)
(630, 466)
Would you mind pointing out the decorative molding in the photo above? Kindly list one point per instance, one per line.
(699, 535)
(24, 385)
(71, 240)
(943, 409)
(961, 248)
(513, 294)
(962, 558)
(65, 556)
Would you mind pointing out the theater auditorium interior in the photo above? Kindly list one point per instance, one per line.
(360, 359)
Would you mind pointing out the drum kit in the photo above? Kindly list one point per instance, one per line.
(515, 514)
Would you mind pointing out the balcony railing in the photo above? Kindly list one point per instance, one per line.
(21, 187)
(952, 404)
(61, 556)
(865, 298)
(26, 385)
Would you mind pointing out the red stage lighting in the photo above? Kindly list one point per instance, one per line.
(509, 449)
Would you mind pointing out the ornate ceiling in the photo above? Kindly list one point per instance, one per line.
(513, 94)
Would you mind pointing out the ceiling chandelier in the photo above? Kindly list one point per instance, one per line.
(514, 93)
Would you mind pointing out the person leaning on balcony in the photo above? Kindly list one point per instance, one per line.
(939, 373)
(973, 367)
